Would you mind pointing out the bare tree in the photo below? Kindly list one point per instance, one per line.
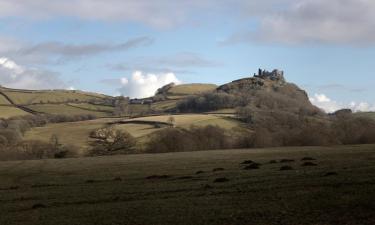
(109, 140)
(171, 121)
(122, 106)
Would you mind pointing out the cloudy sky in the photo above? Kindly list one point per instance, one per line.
(131, 47)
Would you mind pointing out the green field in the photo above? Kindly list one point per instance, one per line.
(24, 97)
(92, 107)
(74, 133)
(187, 120)
(122, 190)
(366, 114)
(4, 101)
(191, 89)
(65, 109)
(164, 105)
(77, 133)
(11, 111)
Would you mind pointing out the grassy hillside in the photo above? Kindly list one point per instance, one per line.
(191, 89)
(53, 102)
(163, 189)
(75, 133)
(366, 114)
(10, 111)
(24, 97)
(65, 109)
(187, 120)
(4, 101)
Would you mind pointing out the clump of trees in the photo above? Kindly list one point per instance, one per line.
(13, 129)
(207, 102)
(193, 139)
(36, 149)
(281, 128)
(109, 141)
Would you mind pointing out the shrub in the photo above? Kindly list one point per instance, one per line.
(207, 102)
(11, 136)
(192, 139)
(352, 130)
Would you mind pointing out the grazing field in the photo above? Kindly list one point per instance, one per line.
(187, 120)
(4, 101)
(164, 105)
(77, 133)
(290, 186)
(74, 133)
(191, 89)
(92, 107)
(11, 111)
(25, 97)
(366, 114)
(65, 109)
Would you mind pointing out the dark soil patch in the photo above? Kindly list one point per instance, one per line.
(218, 169)
(207, 186)
(185, 178)
(309, 164)
(157, 177)
(287, 160)
(247, 162)
(117, 179)
(38, 206)
(253, 166)
(283, 168)
(272, 162)
(44, 185)
(91, 181)
(328, 174)
(199, 172)
(307, 159)
(9, 188)
(221, 180)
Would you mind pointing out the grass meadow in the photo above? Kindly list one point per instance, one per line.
(304, 185)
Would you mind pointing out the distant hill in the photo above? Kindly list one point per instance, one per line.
(17, 102)
(266, 91)
(262, 111)
(366, 114)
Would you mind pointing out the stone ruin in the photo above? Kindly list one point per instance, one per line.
(275, 75)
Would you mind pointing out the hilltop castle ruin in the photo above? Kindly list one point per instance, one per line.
(275, 75)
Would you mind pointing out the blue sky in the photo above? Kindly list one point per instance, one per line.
(131, 47)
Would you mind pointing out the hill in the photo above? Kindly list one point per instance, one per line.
(365, 114)
(16, 102)
(260, 111)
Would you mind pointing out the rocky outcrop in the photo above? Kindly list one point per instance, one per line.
(164, 90)
(260, 81)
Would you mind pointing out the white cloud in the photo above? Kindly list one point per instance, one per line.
(329, 105)
(57, 52)
(157, 13)
(13, 75)
(325, 103)
(361, 107)
(311, 21)
(142, 85)
(283, 21)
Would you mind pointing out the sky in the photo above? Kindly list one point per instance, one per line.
(132, 47)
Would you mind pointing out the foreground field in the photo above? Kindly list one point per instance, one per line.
(168, 189)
